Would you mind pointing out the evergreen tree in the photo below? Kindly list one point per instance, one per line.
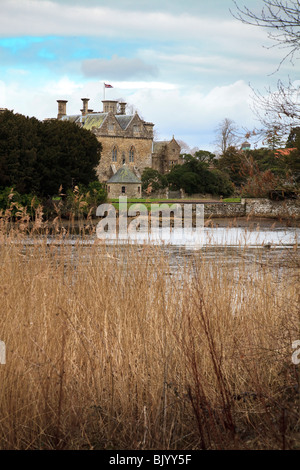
(39, 157)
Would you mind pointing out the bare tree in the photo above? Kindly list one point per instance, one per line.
(280, 18)
(227, 135)
(185, 148)
(278, 109)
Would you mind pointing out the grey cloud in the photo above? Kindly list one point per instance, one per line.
(118, 68)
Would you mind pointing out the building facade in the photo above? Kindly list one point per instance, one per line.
(165, 155)
(124, 183)
(126, 139)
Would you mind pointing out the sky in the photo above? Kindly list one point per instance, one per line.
(184, 65)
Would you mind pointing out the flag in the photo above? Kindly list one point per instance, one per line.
(107, 85)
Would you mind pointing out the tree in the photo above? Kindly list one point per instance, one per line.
(154, 178)
(280, 18)
(231, 162)
(259, 183)
(293, 140)
(265, 159)
(68, 156)
(273, 138)
(282, 21)
(39, 157)
(194, 176)
(205, 156)
(226, 135)
(19, 152)
(292, 164)
(279, 108)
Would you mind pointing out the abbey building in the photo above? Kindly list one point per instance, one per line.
(126, 139)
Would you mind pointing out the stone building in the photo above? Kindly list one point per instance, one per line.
(165, 155)
(124, 183)
(125, 138)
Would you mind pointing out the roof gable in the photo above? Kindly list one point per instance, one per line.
(124, 120)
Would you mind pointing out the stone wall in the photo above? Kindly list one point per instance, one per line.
(160, 194)
(224, 209)
(132, 190)
(288, 209)
(260, 207)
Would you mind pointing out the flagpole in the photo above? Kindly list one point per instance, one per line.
(103, 90)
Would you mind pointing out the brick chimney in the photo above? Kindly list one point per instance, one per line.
(62, 108)
(85, 105)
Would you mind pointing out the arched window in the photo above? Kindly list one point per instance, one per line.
(131, 154)
(114, 154)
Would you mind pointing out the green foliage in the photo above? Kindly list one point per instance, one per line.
(19, 143)
(84, 200)
(221, 184)
(259, 182)
(232, 199)
(194, 176)
(67, 157)
(273, 138)
(231, 162)
(205, 156)
(14, 201)
(293, 140)
(154, 178)
(292, 163)
(267, 159)
(40, 157)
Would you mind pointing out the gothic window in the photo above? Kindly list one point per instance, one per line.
(114, 154)
(123, 158)
(123, 189)
(131, 154)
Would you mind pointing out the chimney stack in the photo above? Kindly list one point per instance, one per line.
(110, 106)
(85, 105)
(123, 108)
(62, 108)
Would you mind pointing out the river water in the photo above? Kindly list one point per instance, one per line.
(268, 240)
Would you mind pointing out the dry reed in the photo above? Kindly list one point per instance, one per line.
(119, 348)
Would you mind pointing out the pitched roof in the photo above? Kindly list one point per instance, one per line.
(93, 120)
(284, 152)
(124, 119)
(124, 175)
(96, 120)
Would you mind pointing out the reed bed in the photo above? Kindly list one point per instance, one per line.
(117, 348)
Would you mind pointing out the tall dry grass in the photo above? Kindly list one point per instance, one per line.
(119, 348)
